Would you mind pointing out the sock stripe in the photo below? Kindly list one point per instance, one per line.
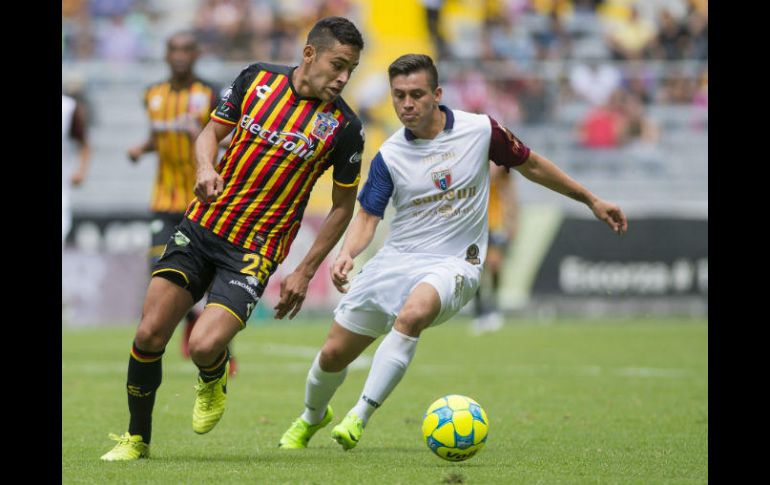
(145, 357)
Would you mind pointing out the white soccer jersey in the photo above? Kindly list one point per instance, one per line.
(440, 187)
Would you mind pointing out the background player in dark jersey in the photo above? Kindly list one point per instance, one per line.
(503, 223)
(178, 108)
(290, 126)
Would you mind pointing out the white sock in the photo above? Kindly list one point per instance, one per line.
(388, 367)
(319, 389)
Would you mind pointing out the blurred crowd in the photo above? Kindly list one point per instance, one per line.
(608, 49)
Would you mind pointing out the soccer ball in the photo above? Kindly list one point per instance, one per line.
(455, 427)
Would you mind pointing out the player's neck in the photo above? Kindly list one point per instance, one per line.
(301, 85)
(182, 81)
(436, 126)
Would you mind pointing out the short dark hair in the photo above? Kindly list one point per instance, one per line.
(328, 29)
(182, 33)
(409, 63)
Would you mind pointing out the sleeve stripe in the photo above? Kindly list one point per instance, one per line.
(223, 121)
(352, 184)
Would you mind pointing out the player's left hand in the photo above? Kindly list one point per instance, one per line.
(611, 214)
(293, 291)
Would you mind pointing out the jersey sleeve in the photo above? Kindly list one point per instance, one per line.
(347, 155)
(505, 149)
(228, 110)
(378, 188)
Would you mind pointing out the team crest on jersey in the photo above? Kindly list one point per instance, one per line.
(324, 125)
(442, 179)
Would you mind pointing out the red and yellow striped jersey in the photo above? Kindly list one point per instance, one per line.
(282, 144)
(175, 115)
(497, 203)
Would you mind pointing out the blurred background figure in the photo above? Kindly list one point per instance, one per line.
(503, 223)
(75, 155)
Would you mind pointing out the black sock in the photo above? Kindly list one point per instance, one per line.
(144, 376)
(216, 369)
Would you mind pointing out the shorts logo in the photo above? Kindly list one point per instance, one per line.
(252, 281)
(355, 158)
(246, 287)
(442, 179)
(459, 285)
(180, 239)
(323, 126)
(472, 254)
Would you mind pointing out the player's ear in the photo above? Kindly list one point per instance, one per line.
(437, 94)
(308, 53)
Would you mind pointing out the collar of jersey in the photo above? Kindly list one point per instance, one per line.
(448, 125)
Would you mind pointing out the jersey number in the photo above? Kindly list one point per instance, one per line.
(258, 267)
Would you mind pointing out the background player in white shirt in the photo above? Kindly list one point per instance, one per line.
(435, 172)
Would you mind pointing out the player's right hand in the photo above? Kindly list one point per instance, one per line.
(340, 269)
(134, 153)
(208, 186)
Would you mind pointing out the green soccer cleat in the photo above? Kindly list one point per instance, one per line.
(129, 447)
(300, 432)
(349, 431)
(210, 401)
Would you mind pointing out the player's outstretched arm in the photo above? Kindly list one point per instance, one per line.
(542, 171)
(294, 286)
(358, 238)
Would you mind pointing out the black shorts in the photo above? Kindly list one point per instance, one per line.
(199, 260)
(162, 227)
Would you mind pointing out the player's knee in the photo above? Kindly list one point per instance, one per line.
(204, 349)
(413, 319)
(332, 358)
(150, 339)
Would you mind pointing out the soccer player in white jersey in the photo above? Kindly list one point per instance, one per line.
(435, 172)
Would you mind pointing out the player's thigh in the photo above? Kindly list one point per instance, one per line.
(184, 261)
(455, 282)
(420, 309)
(213, 330)
(239, 280)
(165, 304)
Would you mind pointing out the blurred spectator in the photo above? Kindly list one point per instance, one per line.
(554, 42)
(672, 39)
(677, 88)
(698, 30)
(594, 81)
(641, 138)
(536, 103)
(117, 40)
(505, 40)
(604, 126)
(639, 80)
(433, 22)
(110, 8)
(632, 38)
(224, 28)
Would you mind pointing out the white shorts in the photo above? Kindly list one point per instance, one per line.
(379, 290)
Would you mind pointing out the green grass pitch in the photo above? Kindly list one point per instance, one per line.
(572, 402)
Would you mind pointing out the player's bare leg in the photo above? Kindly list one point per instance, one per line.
(390, 361)
(164, 306)
(213, 331)
(326, 374)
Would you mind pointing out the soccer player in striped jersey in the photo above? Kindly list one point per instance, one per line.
(178, 108)
(290, 125)
(435, 172)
